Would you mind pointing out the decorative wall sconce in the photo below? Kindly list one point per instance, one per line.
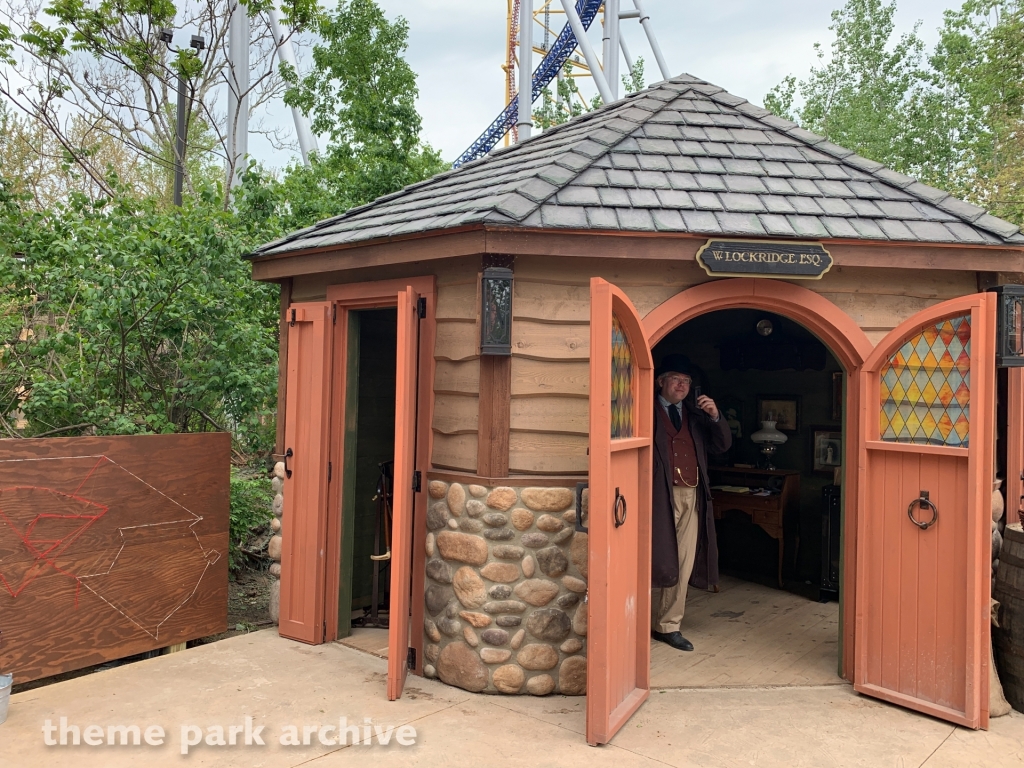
(1010, 326)
(496, 311)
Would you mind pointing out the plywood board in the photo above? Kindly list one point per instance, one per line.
(110, 547)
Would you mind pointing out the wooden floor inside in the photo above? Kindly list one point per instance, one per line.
(751, 635)
(745, 635)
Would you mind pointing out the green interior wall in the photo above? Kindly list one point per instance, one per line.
(374, 442)
(743, 546)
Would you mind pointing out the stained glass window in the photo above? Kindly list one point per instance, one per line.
(622, 382)
(926, 387)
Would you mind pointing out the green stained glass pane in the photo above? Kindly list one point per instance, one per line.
(926, 387)
(622, 382)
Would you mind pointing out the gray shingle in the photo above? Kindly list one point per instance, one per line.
(777, 225)
(652, 179)
(571, 216)
(668, 220)
(701, 222)
(674, 198)
(710, 164)
(740, 223)
(632, 163)
(634, 218)
(710, 182)
(740, 202)
(707, 201)
(643, 198)
(613, 197)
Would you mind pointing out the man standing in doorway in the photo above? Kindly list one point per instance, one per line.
(686, 429)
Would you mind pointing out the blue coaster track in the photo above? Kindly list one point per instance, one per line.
(549, 68)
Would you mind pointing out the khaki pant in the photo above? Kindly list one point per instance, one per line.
(669, 604)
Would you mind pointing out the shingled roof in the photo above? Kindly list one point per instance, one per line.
(683, 156)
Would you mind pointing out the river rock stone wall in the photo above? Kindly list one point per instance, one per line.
(505, 608)
(274, 547)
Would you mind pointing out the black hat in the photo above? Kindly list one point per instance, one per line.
(675, 363)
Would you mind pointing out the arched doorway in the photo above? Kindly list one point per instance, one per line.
(832, 327)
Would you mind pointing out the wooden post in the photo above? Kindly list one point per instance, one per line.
(282, 365)
(1015, 445)
(495, 415)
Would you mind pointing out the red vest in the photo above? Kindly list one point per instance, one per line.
(684, 454)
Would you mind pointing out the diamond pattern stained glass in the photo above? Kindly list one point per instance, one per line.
(622, 382)
(926, 387)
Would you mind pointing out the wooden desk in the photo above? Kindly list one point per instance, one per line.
(767, 512)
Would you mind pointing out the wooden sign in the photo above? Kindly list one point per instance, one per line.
(765, 258)
(110, 547)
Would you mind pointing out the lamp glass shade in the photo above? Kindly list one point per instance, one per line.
(768, 434)
(496, 312)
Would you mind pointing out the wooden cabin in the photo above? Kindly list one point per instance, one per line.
(679, 219)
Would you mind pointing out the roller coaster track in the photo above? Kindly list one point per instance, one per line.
(548, 70)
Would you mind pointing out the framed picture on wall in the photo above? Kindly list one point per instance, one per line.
(783, 409)
(827, 447)
(837, 396)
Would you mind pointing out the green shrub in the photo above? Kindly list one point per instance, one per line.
(251, 500)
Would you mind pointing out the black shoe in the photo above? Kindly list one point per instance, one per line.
(675, 639)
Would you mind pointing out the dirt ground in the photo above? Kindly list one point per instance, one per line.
(248, 611)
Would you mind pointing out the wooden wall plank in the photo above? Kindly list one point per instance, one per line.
(456, 340)
(543, 377)
(546, 341)
(458, 301)
(455, 414)
(565, 415)
(140, 525)
(455, 452)
(457, 377)
(879, 312)
(532, 453)
(550, 302)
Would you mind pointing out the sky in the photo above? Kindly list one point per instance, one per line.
(456, 47)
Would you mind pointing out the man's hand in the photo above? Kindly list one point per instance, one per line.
(707, 405)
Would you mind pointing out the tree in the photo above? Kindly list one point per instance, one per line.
(362, 94)
(102, 61)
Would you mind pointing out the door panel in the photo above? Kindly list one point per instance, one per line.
(927, 419)
(619, 519)
(305, 483)
(404, 495)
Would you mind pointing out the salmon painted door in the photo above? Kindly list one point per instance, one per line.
(407, 365)
(618, 513)
(305, 482)
(925, 473)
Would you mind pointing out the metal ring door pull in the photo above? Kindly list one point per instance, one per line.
(925, 503)
(620, 504)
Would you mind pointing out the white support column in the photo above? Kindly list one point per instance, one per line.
(238, 91)
(625, 54)
(307, 141)
(588, 51)
(525, 120)
(611, 62)
(645, 22)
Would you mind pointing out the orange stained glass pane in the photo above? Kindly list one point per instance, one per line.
(623, 381)
(925, 387)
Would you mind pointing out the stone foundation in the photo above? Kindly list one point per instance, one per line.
(274, 547)
(505, 599)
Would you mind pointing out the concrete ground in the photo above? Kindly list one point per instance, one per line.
(282, 683)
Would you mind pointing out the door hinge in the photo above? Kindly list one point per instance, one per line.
(329, 471)
(417, 481)
(410, 660)
(292, 322)
(421, 304)
(334, 314)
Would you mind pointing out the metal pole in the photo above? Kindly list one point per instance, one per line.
(588, 50)
(645, 22)
(611, 64)
(238, 91)
(625, 55)
(179, 142)
(524, 121)
(307, 141)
